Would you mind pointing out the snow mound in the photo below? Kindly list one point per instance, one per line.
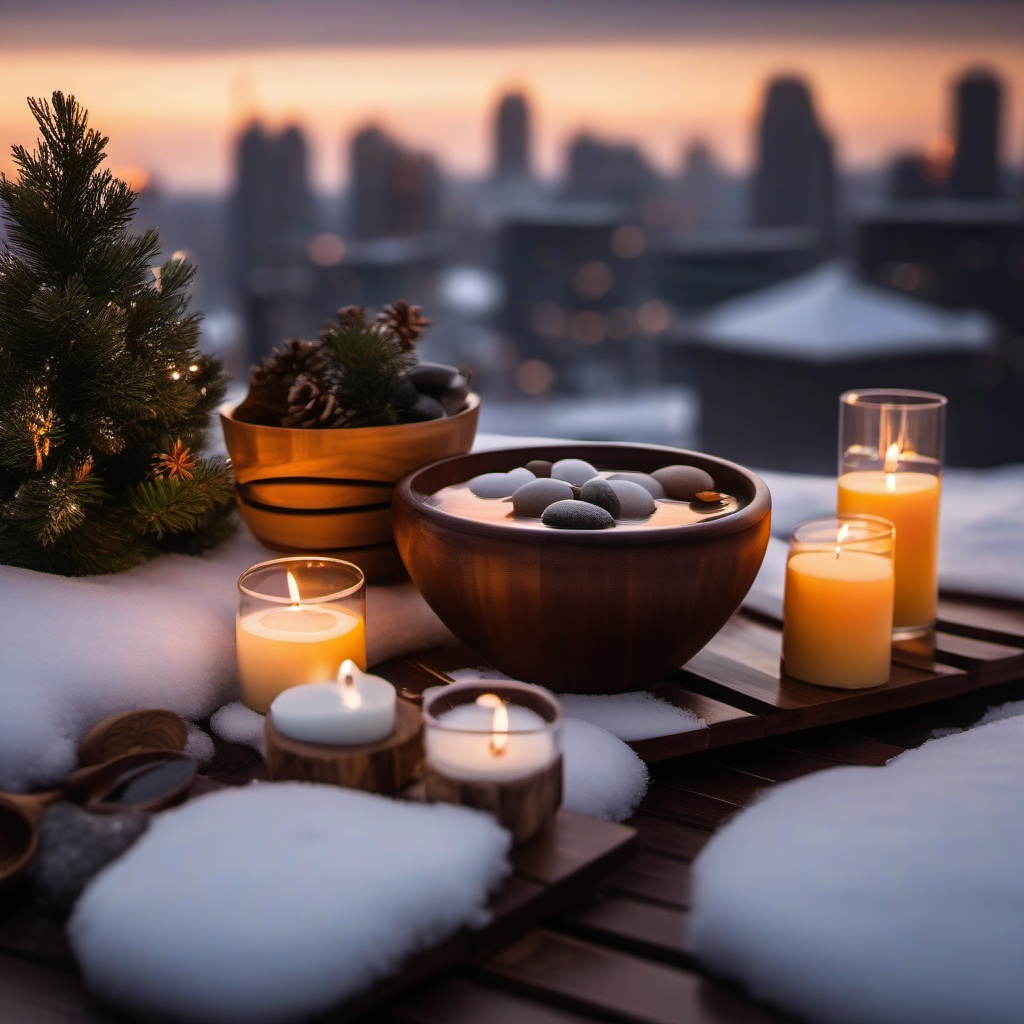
(238, 724)
(631, 716)
(602, 776)
(889, 895)
(275, 902)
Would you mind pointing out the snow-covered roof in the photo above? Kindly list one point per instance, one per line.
(830, 315)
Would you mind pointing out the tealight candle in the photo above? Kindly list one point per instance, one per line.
(837, 608)
(891, 449)
(298, 620)
(358, 708)
(495, 745)
(489, 740)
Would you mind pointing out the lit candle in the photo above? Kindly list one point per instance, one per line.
(891, 444)
(910, 500)
(284, 646)
(358, 708)
(489, 740)
(837, 609)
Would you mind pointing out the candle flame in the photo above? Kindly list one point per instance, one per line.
(350, 696)
(293, 589)
(499, 733)
(841, 534)
(892, 460)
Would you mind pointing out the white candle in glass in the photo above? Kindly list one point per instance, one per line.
(358, 708)
(472, 742)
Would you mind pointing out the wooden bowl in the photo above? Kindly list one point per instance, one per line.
(329, 491)
(582, 611)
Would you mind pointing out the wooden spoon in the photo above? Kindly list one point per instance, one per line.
(146, 780)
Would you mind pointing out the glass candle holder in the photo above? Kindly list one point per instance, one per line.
(496, 745)
(298, 619)
(891, 449)
(838, 603)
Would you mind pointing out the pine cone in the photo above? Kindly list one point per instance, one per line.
(267, 400)
(405, 322)
(298, 358)
(310, 407)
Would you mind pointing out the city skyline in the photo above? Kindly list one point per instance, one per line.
(175, 110)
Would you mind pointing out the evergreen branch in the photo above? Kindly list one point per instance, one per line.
(366, 372)
(166, 506)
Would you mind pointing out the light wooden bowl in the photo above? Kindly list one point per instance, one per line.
(329, 491)
(582, 611)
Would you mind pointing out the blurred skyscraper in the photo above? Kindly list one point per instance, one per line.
(271, 219)
(794, 177)
(977, 107)
(393, 192)
(512, 139)
(607, 172)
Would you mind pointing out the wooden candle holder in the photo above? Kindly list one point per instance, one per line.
(382, 767)
(523, 806)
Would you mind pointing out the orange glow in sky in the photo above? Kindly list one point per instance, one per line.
(175, 113)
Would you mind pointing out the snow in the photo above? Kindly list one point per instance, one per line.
(631, 716)
(159, 636)
(981, 526)
(304, 896)
(198, 745)
(828, 314)
(889, 895)
(602, 777)
(238, 724)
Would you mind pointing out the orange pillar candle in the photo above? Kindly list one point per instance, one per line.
(890, 465)
(910, 500)
(837, 609)
(298, 620)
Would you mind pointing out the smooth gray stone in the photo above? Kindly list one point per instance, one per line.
(576, 515)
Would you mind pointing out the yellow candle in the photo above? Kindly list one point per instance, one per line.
(910, 501)
(837, 618)
(283, 647)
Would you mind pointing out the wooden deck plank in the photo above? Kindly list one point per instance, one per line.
(712, 778)
(771, 761)
(667, 837)
(1001, 621)
(457, 1000)
(679, 804)
(34, 993)
(652, 877)
(636, 926)
(575, 848)
(840, 746)
(582, 976)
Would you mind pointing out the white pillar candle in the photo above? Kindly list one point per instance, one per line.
(466, 744)
(358, 708)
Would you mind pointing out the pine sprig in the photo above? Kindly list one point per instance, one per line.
(98, 367)
(366, 372)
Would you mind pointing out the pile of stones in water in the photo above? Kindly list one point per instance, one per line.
(572, 495)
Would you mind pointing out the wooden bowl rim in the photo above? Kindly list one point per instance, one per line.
(472, 404)
(407, 491)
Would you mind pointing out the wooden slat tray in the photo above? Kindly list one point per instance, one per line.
(737, 687)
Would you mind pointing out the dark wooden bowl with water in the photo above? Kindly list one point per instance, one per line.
(579, 611)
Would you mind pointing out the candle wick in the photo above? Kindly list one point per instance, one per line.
(838, 549)
(496, 749)
(349, 681)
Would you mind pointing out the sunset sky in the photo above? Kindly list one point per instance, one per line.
(170, 85)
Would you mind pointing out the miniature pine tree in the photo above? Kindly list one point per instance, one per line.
(104, 397)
